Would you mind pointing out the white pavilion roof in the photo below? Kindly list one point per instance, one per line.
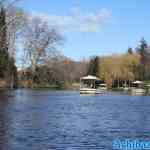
(137, 82)
(90, 77)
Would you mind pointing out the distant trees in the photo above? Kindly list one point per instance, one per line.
(122, 69)
(59, 71)
(119, 69)
(144, 51)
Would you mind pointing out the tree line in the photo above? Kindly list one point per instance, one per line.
(29, 44)
(120, 70)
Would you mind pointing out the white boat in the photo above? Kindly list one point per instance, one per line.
(138, 91)
(137, 88)
(91, 91)
(103, 87)
(148, 88)
(88, 85)
(87, 91)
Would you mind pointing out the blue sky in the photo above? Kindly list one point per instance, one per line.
(95, 27)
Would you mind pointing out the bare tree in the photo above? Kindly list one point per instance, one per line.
(16, 20)
(40, 42)
(7, 3)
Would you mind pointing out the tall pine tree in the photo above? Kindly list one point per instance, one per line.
(93, 68)
(143, 51)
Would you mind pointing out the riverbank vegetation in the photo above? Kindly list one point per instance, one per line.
(30, 57)
(116, 70)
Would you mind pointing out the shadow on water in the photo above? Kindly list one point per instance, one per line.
(61, 120)
(5, 120)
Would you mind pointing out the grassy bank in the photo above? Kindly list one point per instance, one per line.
(63, 86)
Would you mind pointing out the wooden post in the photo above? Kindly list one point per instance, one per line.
(80, 83)
(118, 83)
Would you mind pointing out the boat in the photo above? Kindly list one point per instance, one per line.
(103, 86)
(88, 91)
(137, 88)
(88, 85)
(148, 88)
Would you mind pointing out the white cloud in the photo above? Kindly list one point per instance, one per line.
(77, 21)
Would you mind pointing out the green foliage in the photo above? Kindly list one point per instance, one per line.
(142, 47)
(93, 68)
(130, 51)
(119, 68)
(8, 70)
(3, 44)
(144, 66)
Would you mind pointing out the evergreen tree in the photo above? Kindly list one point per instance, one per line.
(4, 57)
(93, 68)
(143, 51)
(130, 51)
(8, 70)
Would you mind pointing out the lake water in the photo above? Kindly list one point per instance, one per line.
(64, 120)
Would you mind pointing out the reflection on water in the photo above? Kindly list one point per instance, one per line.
(44, 120)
